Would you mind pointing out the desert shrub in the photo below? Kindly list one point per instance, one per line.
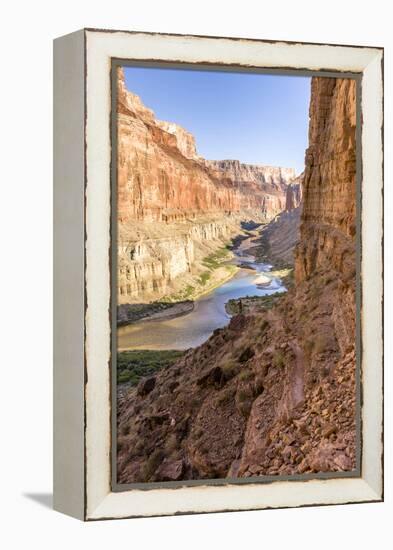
(244, 407)
(226, 395)
(136, 364)
(230, 369)
(245, 375)
(214, 260)
(269, 300)
(279, 359)
(205, 276)
(243, 395)
(126, 376)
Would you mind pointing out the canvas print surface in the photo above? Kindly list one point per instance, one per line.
(236, 275)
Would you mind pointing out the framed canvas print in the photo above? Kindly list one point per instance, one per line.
(218, 274)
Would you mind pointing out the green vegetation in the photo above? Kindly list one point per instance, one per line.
(226, 395)
(248, 303)
(187, 293)
(134, 365)
(243, 395)
(270, 300)
(205, 276)
(229, 368)
(246, 375)
(279, 359)
(214, 260)
(131, 313)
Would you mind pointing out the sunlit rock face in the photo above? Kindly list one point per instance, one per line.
(162, 181)
(274, 392)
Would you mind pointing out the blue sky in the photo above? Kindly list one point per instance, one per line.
(255, 118)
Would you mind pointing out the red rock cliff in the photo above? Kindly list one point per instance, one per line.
(161, 177)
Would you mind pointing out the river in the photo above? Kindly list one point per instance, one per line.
(209, 313)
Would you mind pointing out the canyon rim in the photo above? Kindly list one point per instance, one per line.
(236, 280)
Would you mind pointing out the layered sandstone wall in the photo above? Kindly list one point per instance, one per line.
(328, 220)
(161, 177)
(269, 183)
(149, 268)
(274, 392)
(240, 172)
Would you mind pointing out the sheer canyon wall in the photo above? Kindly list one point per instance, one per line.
(274, 392)
(175, 207)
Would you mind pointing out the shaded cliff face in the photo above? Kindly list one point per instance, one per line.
(194, 205)
(274, 391)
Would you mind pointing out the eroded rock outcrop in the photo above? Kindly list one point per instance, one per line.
(269, 183)
(274, 392)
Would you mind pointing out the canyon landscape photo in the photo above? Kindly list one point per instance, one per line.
(236, 275)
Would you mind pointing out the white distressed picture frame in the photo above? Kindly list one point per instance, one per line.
(82, 179)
